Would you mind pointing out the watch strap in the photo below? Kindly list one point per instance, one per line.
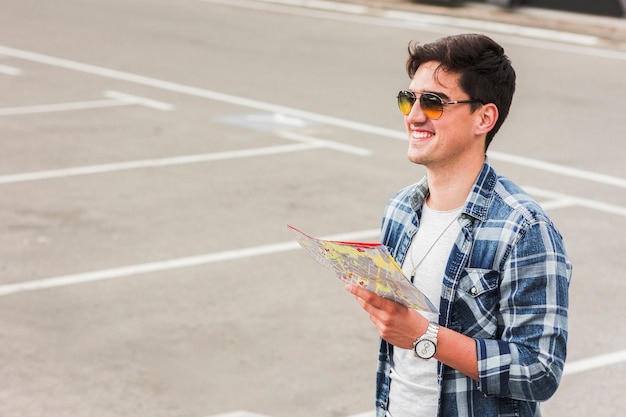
(432, 331)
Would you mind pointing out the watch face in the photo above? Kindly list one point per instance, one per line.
(425, 349)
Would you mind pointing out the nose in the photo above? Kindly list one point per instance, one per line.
(416, 115)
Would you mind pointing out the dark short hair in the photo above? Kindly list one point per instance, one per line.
(486, 73)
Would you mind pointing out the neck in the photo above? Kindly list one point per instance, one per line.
(449, 186)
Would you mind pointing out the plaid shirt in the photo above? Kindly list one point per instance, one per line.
(506, 285)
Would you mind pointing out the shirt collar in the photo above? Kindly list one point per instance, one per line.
(479, 199)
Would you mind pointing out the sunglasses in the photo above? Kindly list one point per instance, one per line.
(430, 103)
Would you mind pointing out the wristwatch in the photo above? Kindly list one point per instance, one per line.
(426, 345)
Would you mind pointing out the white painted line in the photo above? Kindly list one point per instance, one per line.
(579, 201)
(337, 146)
(333, 121)
(249, 414)
(615, 54)
(306, 143)
(571, 368)
(150, 163)
(424, 21)
(483, 25)
(169, 264)
(323, 5)
(594, 362)
(127, 98)
(277, 119)
(198, 92)
(115, 99)
(49, 108)
(368, 414)
(556, 204)
(239, 414)
(343, 12)
(530, 42)
(558, 169)
(7, 70)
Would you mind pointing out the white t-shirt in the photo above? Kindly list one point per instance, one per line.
(414, 391)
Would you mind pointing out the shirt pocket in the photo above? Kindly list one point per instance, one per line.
(477, 281)
(477, 303)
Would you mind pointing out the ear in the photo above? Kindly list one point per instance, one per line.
(486, 118)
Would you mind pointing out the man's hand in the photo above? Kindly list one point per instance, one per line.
(395, 323)
(401, 326)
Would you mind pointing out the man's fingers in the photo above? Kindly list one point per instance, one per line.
(359, 292)
(365, 297)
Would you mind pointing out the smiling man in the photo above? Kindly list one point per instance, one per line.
(476, 244)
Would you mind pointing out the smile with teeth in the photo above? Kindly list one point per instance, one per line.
(420, 134)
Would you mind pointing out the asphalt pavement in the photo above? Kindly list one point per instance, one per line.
(153, 153)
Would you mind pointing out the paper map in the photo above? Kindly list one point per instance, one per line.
(368, 265)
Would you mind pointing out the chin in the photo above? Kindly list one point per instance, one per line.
(414, 157)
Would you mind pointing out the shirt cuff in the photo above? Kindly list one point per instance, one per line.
(494, 363)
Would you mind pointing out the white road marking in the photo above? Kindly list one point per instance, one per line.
(594, 362)
(558, 169)
(338, 12)
(239, 414)
(424, 21)
(494, 27)
(277, 119)
(323, 5)
(49, 108)
(245, 253)
(7, 70)
(115, 99)
(249, 414)
(177, 263)
(127, 98)
(150, 163)
(367, 414)
(306, 143)
(571, 368)
(197, 92)
(578, 201)
(582, 48)
(240, 101)
(144, 268)
(556, 204)
(337, 146)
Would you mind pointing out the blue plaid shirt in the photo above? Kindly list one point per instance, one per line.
(506, 285)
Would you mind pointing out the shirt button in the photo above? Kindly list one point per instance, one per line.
(473, 290)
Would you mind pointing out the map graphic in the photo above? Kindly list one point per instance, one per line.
(368, 265)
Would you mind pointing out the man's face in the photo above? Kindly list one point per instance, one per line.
(450, 139)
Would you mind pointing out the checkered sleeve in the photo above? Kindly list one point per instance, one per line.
(525, 359)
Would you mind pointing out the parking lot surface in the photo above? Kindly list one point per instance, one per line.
(153, 153)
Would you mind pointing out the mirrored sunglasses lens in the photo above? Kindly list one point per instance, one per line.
(406, 99)
(431, 105)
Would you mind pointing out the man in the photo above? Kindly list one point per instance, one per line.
(476, 244)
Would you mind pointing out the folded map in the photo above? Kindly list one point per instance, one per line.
(368, 265)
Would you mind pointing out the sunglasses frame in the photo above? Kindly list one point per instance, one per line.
(431, 112)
